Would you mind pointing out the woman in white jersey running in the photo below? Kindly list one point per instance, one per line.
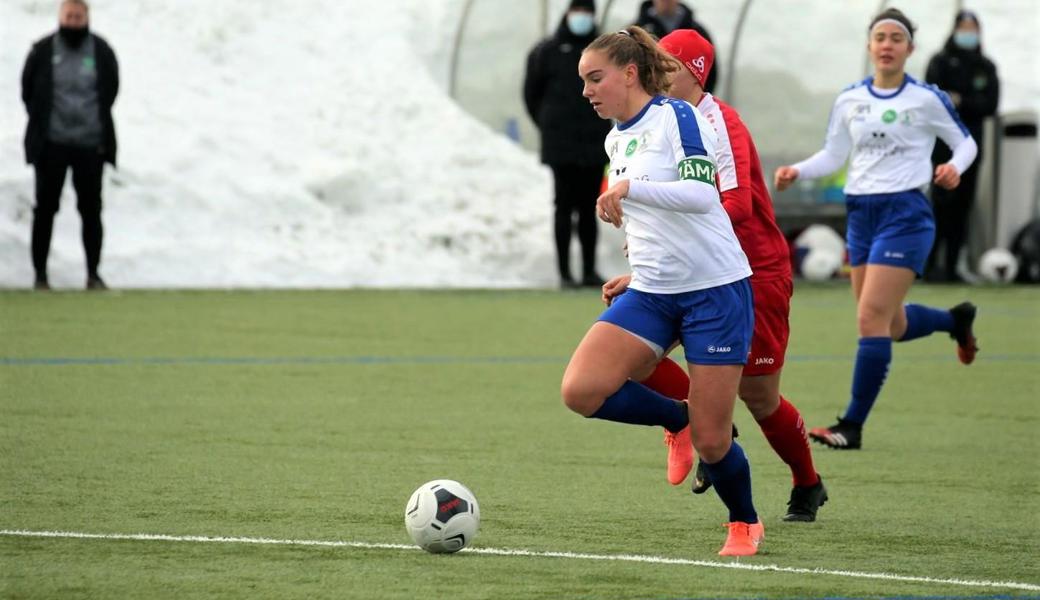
(886, 125)
(745, 198)
(689, 274)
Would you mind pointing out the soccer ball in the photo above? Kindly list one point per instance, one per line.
(442, 516)
(820, 264)
(820, 237)
(997, 265)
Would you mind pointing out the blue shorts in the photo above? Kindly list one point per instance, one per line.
(890, 229)
(714, 325)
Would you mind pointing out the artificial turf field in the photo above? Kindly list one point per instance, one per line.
(311, 416)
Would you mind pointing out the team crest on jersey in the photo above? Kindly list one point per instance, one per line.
(891, 116)
(631, 148)
(697, 168)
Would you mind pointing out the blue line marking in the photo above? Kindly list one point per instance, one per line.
(61, 361)
(276, 360)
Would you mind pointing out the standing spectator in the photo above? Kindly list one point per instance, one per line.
(661, 17)
(69, 84)
(572, 135)
(962, 71)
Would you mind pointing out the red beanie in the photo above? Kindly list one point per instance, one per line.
(692, 50)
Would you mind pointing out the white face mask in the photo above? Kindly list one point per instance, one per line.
(580, 22)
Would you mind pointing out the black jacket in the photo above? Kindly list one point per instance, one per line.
(654, 26)
(972, 76)
(38, 95)
(572, 132)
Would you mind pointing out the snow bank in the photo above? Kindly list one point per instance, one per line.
(276, 144)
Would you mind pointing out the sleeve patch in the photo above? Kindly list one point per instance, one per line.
(697, 168)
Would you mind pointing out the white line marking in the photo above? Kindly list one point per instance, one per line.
(531, 553)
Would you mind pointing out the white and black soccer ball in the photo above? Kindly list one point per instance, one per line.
(442, 516)
(821, 237)
(998, 265)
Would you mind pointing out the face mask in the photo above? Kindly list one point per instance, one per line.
(73, 36)
(966, 40)
(580, 22)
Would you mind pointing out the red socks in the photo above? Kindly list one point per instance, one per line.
(669, 379)
(785, 431)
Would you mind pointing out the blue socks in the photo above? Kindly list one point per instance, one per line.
(923, 321)
(872, 360)
(731, 477)
(875, 354)
(637, 404)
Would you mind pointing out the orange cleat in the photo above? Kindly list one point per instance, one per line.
(743, 538)
(680, 455)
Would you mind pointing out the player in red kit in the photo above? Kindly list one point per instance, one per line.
(746, 199)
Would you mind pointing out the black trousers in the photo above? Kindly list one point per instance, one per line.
(87, 165)
(577, 188)
(951, 208)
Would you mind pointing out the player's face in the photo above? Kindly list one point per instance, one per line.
(684, 85)
(605, 84)
(72, 15)
(889, 48)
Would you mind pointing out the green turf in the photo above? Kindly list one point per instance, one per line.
(313, 416)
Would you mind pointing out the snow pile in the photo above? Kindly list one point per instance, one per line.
(283, 144)
(266, 143)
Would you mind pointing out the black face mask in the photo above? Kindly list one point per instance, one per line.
(73, 36)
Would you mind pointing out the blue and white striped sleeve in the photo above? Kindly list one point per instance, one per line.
(693, 148)
(944, 121)
(689, 138)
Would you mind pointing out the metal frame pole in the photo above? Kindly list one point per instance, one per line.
(731, 75)
(603, 15)
(457, 47)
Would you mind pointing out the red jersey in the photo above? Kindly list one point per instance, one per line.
(744, 193)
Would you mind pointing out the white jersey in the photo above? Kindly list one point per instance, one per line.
(888, 136)
(680, 239)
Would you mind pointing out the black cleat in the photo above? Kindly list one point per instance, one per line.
(41, 284)
(96, 284)
(701, 479)
(567, 283)
(963, 318)
(844, 435)
(593, 280)
(805, 501)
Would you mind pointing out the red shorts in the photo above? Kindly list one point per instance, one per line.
(769, 342)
